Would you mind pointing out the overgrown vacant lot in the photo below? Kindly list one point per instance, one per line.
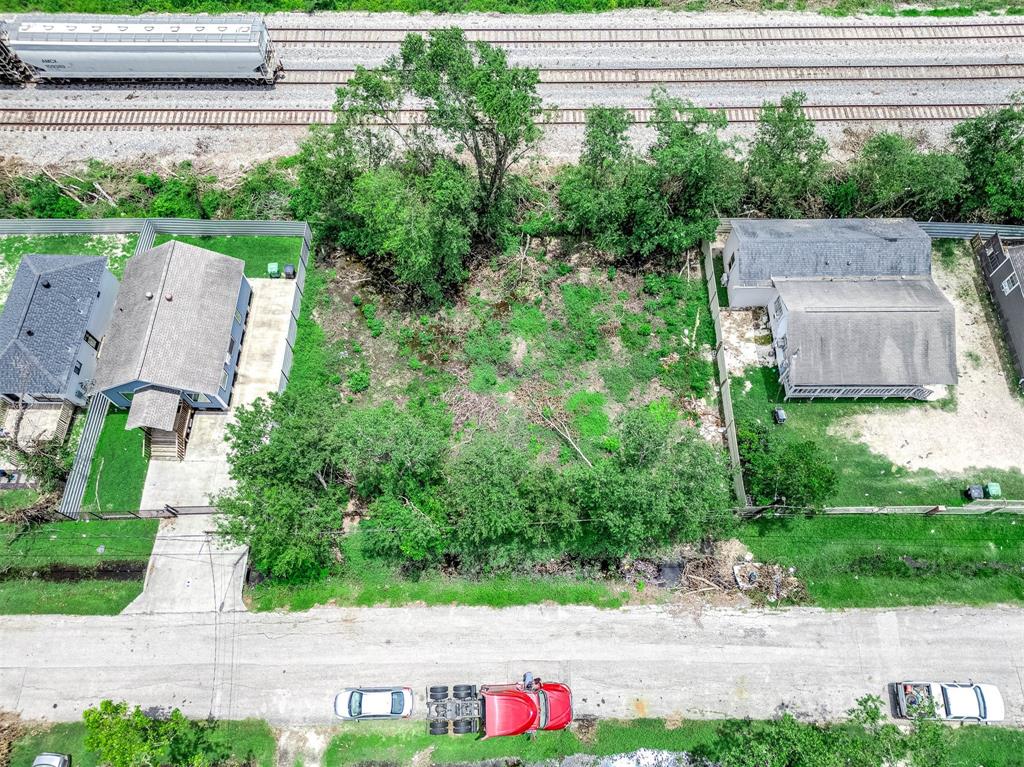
(557, 342)
(551, 352)
(872, 561)
(116, 247)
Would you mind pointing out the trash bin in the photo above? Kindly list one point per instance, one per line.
(974, 492)
(993, 490)
(289, 271)
(273, 269)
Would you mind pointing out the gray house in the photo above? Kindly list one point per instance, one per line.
(886, 337)
(851, 304)
(52, 325)
(1003, 266)
(759, 251)
(174, 341)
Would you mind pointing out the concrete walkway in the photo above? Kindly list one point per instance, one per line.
(190, 572)
(652, 661)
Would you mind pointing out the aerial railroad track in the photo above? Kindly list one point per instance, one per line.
(713, 75)
(803, 33)
(172, 119)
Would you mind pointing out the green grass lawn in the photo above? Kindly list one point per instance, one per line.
(858, 561)
(17, 499)
(257, 252)
(78, 545)
(398, 742)
(116, 247)
(865, 478)
(30, 596)
(118, 471)
(251, 741)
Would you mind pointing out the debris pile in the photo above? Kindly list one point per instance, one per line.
(722, 567)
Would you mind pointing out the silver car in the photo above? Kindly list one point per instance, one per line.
(358, 703)
(52, 760)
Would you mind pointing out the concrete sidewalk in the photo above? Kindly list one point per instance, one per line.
(652, 661)
(190, 572)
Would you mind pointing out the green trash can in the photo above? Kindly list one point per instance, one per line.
(993, 490)
(273, 270)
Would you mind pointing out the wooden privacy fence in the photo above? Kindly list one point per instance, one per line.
(722, 377)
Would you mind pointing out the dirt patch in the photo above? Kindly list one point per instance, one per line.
(747, 340)
(302, 745)
(985, 426)
(11, 728)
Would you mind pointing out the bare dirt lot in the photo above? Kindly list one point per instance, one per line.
(985, 426)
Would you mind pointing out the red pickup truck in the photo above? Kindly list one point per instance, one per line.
(500, 709)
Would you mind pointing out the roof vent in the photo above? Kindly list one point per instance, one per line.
(149, 295)
(46, 283)
(168, 297)
(30, 332)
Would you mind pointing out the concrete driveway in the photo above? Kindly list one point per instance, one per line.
(654, 661)
(188, 570)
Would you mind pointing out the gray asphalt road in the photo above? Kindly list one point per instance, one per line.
(646, 661)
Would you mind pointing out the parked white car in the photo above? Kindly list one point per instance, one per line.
(374, 703)
(951, 701)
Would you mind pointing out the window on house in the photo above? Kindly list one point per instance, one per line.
(778, 306)
(223, 378)
(128, 395)
(1010, 283)
(201, 399)
(783, 343)
(78, 367)
(92, 340)
(238, 317)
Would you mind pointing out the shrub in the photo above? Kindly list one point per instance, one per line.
(786, 165)
(783, 470)
(991, 148)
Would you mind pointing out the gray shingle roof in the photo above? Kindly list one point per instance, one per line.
(769, 248)
(1016, 255)
(153, 408)
(869, 332)
(42, 328)
(172, 320)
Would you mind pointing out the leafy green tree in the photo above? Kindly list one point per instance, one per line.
(127, 737)
(407, 529)
(664, 202)
(991, 147)
(475, 99)
(290, 530)
(695, 171)
(784, 470)
(786, 166)
(890, 176)
(643, 434)
(417, 228)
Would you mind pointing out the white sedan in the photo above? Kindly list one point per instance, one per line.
(951, 701)
(374, 703)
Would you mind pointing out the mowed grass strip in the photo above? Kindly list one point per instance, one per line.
(118, 471)
(884, 561)
(249, 741)
(398, 742)
(865, 478)
(256, 252)
(31, 596)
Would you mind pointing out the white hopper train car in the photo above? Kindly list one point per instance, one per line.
(181, 49)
